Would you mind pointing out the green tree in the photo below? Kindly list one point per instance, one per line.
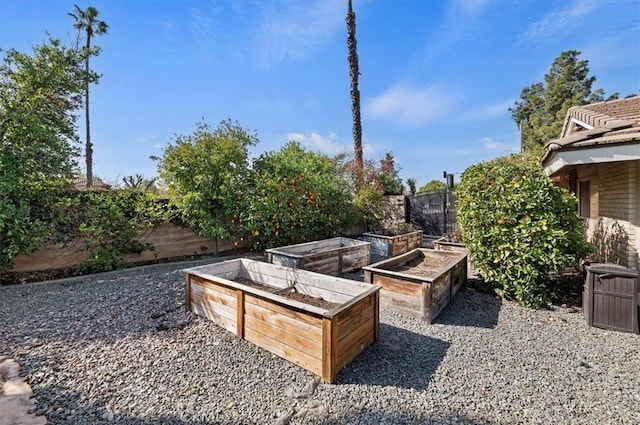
(138, 183)
(205, 174)
(433, 186)
(411, 182)
(294, 195)
(389, 175)
(39, 98)
(519, 227)
(87, 23)
(542, 107)
(354, 75)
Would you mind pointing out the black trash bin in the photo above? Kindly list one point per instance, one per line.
(611, 297)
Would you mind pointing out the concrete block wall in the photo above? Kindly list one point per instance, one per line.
(170, 241)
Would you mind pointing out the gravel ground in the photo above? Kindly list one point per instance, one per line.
(120, 348)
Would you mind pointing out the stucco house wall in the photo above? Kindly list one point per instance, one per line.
(598, 157)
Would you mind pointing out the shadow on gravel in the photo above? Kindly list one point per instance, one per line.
(471, 308)
(400, 358)
(64, 407)
(402, 416)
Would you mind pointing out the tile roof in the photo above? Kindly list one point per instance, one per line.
(602, 123)
(80, 184)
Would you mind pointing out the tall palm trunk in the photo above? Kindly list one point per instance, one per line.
(88, 145)
(354, 74)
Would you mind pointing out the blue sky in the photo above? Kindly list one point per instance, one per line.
(437, 77)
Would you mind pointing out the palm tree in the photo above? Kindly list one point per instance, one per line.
(354, 74)
(87, 22)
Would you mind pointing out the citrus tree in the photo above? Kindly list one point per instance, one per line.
(519, 227)
(205, 173)
(293, 195)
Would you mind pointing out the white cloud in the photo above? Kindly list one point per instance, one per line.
(331, 144)
(158, 146)
(561, 21)
(490, 144)
(412, 106)
(486, 112)
(145, 138)
(298, 29)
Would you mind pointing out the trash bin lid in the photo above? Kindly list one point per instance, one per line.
(610, 268)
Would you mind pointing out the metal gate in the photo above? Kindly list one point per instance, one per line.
(433, 212)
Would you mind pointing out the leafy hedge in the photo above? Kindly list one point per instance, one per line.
(293, 195)
(519, 227)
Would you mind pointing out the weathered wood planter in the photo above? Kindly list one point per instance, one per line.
(442, 245)
(319, 322)
(419, 283)
(390, 246)
(329, 256)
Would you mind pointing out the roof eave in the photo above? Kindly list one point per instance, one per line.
(555, 161)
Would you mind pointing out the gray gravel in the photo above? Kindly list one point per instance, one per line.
(120, 348)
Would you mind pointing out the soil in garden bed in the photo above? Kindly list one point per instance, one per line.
(420, 266)
(290, 293)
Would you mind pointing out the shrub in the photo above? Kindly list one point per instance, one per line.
(109, 225)
(204, 173)
(293, 195)
(519, 227)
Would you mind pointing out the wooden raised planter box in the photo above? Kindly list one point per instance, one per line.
(390, 246)
(329, 256)
(419, 283)
(442, 245)
(319, 322)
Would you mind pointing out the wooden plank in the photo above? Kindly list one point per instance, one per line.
(411, 306)
(212, 302)
(322, 293)
(440, 294)
(305, 330)
(187, 282)
(376, 317)
(345, 357)
(214, 285)
(311, 319)
(329, 349)
(219, 267)
(212, 294)
(287, 336)
(213, 314)
(391, 263)
(288, 353)
(398, 285)
(284, 260)
(348, 327)
(345, 342)
(356, 305)
(334, 284)
(240, 313)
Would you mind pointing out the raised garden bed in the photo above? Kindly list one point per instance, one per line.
(321, 323)
(384, 246)
(443, 244)
(419, 283)
(329, 256)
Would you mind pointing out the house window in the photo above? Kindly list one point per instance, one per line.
(584, 197)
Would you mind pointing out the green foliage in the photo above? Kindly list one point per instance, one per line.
(293, 195)
(39, 97)
(109, 223)
(205, 173)
(388, 176)
(519, 227)
(411, 182)
(369, 201)
(433, 186)
(542, 107)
